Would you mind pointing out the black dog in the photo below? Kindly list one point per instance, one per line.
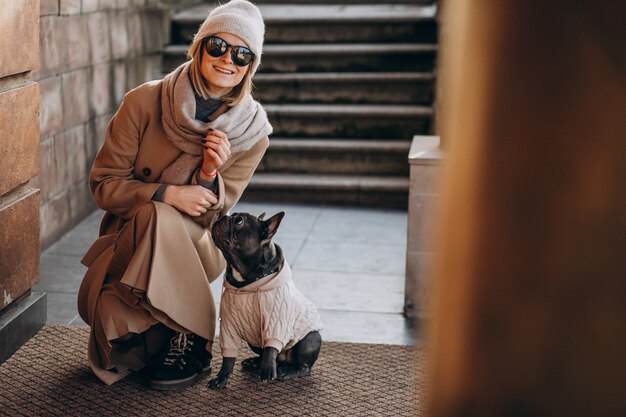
(261, 305)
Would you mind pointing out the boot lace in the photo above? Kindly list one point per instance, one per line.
(179, 346)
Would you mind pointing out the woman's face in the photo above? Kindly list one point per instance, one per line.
(212, 69)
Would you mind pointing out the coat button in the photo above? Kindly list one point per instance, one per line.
(147, 171)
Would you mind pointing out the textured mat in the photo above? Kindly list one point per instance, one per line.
(50, 375)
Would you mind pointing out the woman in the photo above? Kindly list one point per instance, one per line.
(177, 154)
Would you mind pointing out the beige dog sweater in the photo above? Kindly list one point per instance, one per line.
(270, 312)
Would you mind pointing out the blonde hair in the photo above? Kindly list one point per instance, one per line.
(234, 97)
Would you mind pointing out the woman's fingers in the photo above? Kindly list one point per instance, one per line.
(221, 140)
(212, 198)
(209, 197)
(217, 159)
(218, 147)
(217, 133)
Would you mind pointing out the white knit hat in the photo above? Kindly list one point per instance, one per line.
(240, 18)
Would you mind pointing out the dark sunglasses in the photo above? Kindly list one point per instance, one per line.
(217, 47)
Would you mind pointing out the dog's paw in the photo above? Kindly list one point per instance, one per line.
(252, 364)
(289, 372)
(218, 382)
(268, 371)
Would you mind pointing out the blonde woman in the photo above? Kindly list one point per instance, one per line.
(178, 153)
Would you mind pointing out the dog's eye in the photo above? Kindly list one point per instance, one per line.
(239, 221)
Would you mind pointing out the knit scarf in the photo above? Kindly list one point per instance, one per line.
(244, 125)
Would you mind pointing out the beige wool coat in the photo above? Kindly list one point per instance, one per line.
(173, 256)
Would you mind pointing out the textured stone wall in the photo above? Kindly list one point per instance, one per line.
(92, 52)
(19, 149)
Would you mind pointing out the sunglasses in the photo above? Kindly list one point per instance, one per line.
(217, 47)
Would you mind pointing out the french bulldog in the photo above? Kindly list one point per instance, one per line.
(260, 303)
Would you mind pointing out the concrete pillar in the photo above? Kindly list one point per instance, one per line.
(425, 160)
(21, 313)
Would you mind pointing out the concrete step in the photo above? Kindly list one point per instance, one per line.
(337, 87)
(336, 156)
(349, 121)
(392, 57)
(307, 23)
(371, 191)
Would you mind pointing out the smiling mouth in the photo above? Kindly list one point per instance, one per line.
(223, 71)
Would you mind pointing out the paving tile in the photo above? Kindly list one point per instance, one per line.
(60, 273)
(361, 225)
(362, 327)
(79, 239)
(291, 246)
(352, 291)
(77, 321)
(342, 256)
(61, 308)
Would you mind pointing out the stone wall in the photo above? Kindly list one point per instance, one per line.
(19, 150)
(92, 52)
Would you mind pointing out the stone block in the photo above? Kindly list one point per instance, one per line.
(71, 157)
(89, 6)
(102, 122)
(118, 21)
(122, 4)
(99, 43)
(151, 67)
(19, 247)
(19, 141)
(81, 201)
(68, 7)
(153, 31)
(133, 72)
(90, 143)
(19, 43)
(119, 82)
(100, 95)
(51, 108)
(106, 4)
(48, 7)
(47, 172)
(138, 3)
(75, 98)
(52, 41)
(54, 219)
(135, 32)
(77, 41)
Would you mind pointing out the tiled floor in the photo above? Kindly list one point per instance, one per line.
(349, 262)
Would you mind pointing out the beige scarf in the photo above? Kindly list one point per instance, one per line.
(244, 125)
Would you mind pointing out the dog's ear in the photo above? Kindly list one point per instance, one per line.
(261, 216)
(271, 225)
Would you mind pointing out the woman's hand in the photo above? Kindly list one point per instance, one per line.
(191, 199)
(216, 151)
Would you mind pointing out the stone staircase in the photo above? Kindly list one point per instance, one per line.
(346, 86)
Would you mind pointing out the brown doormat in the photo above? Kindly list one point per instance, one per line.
(50, 376)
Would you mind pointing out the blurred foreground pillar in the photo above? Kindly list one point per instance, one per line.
(530, 299)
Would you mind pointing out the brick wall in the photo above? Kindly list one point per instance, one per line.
(92, 52)
(19, 150)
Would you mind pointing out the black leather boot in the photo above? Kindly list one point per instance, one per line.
(176, 368)
(199, 353)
